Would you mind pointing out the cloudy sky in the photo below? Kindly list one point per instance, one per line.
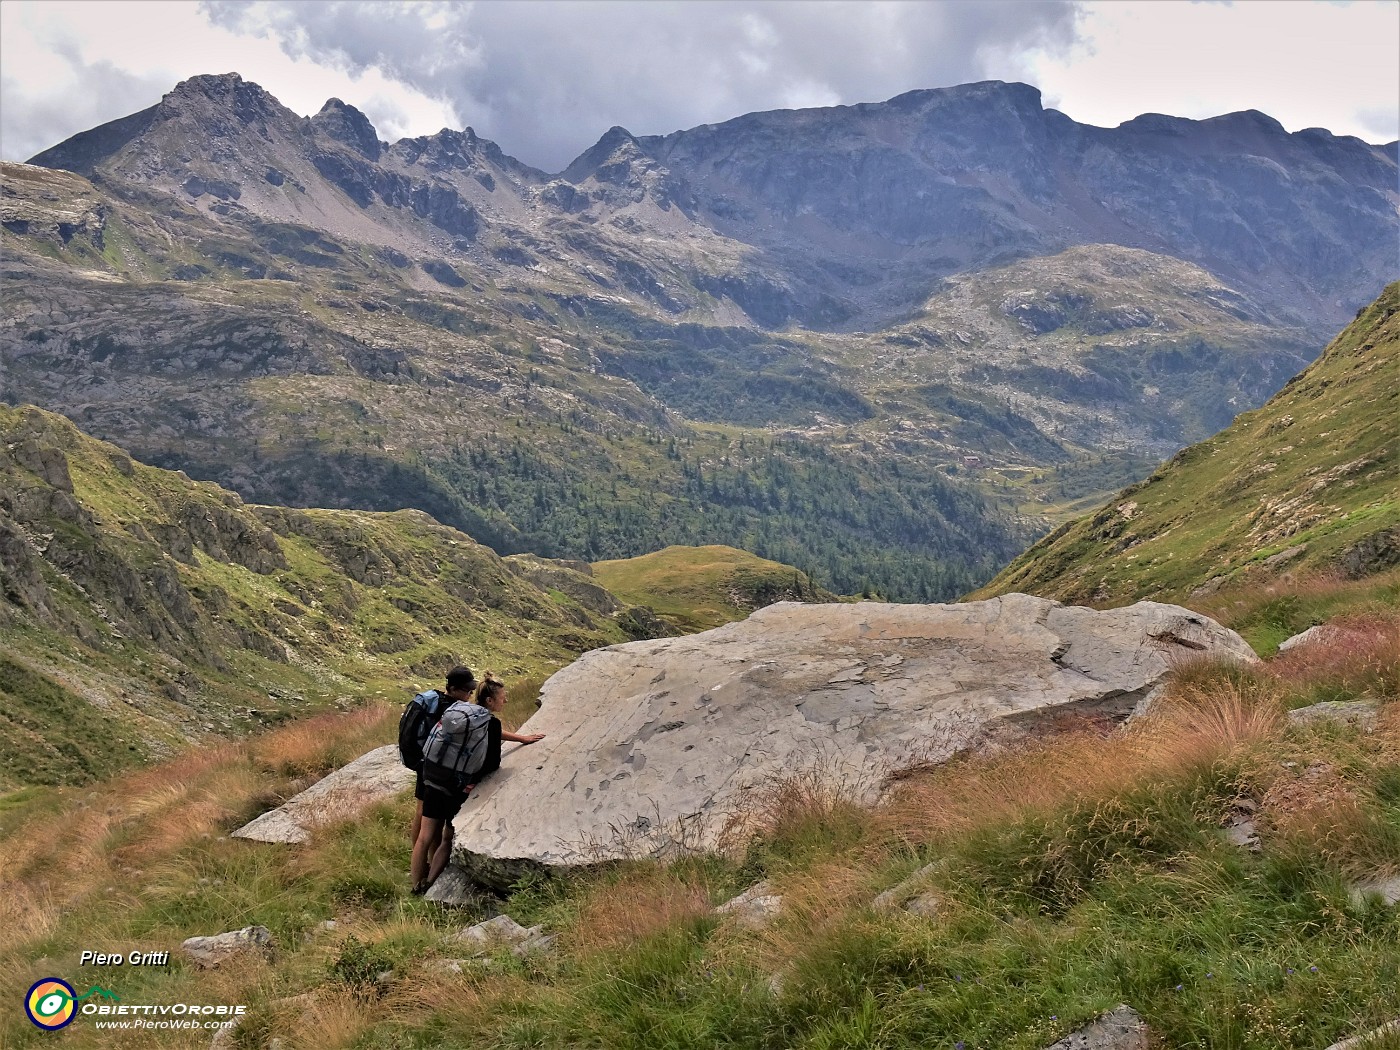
(545, 79)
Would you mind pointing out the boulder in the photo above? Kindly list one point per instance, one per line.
(371, 778)
(500, 932)
(210, 952)
(1122, 1028)
(652, 747)
(1312, 635)
(754, 907)
(1378, 1038)
(1360, 713)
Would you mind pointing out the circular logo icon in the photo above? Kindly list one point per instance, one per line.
(49, 1004)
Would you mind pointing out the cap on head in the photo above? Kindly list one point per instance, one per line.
(460, 678)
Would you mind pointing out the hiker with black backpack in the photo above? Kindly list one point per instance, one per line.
(463, 747)
(417, 721)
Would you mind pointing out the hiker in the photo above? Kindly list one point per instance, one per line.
(419, 717)
(463, 747)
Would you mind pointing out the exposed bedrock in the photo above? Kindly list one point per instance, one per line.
(654, 746)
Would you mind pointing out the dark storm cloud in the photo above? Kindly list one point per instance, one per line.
(545, 80)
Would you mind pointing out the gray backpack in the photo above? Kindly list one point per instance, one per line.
(455, 750)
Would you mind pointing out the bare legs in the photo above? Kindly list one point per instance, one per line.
(424, 846)
(432, 849)
(442, 854)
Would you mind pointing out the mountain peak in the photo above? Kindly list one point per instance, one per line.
(346, 124)
(617, 145)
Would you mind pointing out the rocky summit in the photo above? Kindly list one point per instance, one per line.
(654, 747)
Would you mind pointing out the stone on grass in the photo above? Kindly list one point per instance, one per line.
(1372, 1038)
(1122, 1028)
(925, 906)
(210, 952)
(754, 907)
(454, 889)
(1388, 890)
(504, 932)
(371, 778)
(906, 895)
(1311, 636)
(1360, 713)
(654, 748)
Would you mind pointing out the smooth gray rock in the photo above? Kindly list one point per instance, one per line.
(1311, 636)
(1371, 1038)
(1122, 1028)
(1361, 713)
(1388, 890)
(371, 778)
(503, 932)
(210, 952)
(653, 746)
(454, 889)
(754, 907)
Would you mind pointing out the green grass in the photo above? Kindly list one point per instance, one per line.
(697, 588)
(1316, 468)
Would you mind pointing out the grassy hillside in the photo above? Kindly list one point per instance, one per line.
(1069, 875)
(1309, 481)
(697, 588)
(143, 611)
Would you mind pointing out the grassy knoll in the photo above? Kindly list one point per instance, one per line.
(697, 588)
(1086, 869)
(1310, 480)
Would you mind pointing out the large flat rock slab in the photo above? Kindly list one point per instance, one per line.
(652, 745)
(371, 778)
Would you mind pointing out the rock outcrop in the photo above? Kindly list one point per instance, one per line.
(1121, 1028)
(371, 778)
(211, 952)
(652, 747)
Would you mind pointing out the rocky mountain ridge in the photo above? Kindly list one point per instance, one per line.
(888, 343)
(799, 215)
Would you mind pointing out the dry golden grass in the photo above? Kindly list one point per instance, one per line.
(1207, 714)
(637, 905)
(325, 741)
(106, 836)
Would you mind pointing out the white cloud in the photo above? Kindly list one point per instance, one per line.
(1330, 65)
(544, 79)
(65, 67)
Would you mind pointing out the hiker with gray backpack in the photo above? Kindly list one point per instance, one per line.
(463, 747)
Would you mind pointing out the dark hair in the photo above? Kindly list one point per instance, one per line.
(460, 677)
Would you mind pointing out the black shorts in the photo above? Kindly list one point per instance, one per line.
(439, 805)
(418, 785)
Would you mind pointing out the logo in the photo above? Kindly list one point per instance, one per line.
(49, 1004)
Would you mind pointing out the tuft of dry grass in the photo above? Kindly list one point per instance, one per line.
(326, 741)
(1358, 654)
(640, 903)
(1209, 711)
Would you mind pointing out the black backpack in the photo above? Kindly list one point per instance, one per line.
(417, 721)
(455, 752)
